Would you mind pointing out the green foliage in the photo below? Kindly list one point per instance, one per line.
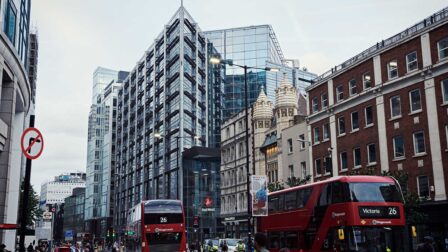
(34, 212)
(292, 181)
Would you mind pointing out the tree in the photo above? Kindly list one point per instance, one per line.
(34, 212)
(294, 181)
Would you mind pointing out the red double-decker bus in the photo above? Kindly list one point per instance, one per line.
(348, 213)
(156, 225)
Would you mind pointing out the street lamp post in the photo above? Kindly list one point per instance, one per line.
(217, 60)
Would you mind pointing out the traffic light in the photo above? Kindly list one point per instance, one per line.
(414, 231)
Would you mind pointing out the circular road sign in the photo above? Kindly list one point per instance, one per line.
(32, 143)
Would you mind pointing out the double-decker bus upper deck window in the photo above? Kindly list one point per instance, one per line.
(306, 193)
(339, 192)
(291, 200)
(163, 212)
(374, 192)
(281, 202)
(273, 204)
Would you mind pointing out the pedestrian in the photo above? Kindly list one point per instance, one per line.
(240, 246)
(224, 247)
(426, 246)
(30, 248)
(260, 242)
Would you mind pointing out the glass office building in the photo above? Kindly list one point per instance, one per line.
(101, 150)
(164, 108)
(254, 46)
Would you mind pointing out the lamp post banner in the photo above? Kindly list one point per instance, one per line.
(259, 192)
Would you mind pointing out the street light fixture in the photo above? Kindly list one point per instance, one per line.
(216, 60)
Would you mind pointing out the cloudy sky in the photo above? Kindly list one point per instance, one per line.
(76, 36)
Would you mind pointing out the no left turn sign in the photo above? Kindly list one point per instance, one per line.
(32, 143)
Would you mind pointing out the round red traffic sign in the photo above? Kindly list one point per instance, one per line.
(32, 143)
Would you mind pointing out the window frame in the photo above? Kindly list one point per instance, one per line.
(318, 135)
(357, 121)
(315, 167)
(339, 126)
(354, 158)
(324, 102)
(415, 142)
(439, 50)
(369, 161)
(446, 136)
(364, 80)
(350, 87)
(325, 131)
(339, 92)
(290, 146)
(395, 147)
(392, 116)
(365, 116)
(302, 143)
(340, 161)
(389, 69)
(11, 9)
(410, 62)
(418, 186)
(314, 104)
(444, 91)
(410, 101)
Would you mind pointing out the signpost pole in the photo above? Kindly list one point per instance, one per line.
(51, 233)
(26, 190)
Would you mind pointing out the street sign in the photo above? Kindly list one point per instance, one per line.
(69, 235)
(47, 215)
(32, 143)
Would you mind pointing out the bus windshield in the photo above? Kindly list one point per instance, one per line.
(374, 192)
(164, 241)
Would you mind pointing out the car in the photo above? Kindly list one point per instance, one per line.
(231, 244)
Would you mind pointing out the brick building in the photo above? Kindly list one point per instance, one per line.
(386, 109)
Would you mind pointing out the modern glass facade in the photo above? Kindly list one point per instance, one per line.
(162, 110)
(201, 193)
(254, 46)
(101, 150)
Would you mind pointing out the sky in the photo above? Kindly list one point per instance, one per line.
(76, 36)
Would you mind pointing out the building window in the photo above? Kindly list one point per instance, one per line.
(398, 147)
(355, 122)
(392, 69)
(318, 168)
(303, 167)
(343, 158)
(367, 80)
(415, 100)
(341, 125)
(419, 143)
(339, 93)
(324, 100)
(395, 106)
(446, 135)
(352, 86)
(290, 148)
(302, 141)
(411, 61)
(291, 171)
(371, 153)
(369, 116)
(445, 91)
(442, 46)
(316, 135)
(326, 132)
(357, 157)
(10, 22)
(423, 186)
(315, 106)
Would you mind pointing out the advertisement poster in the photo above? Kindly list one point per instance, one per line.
(259, 193)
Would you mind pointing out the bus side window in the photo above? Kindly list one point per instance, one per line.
(274, 240)
(306, 195)
(273, 204)
(291, 200)
(300, 202)
(339, 192)
(325, 195)
(281, 202)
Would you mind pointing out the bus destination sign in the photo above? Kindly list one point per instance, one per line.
(386, 212)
